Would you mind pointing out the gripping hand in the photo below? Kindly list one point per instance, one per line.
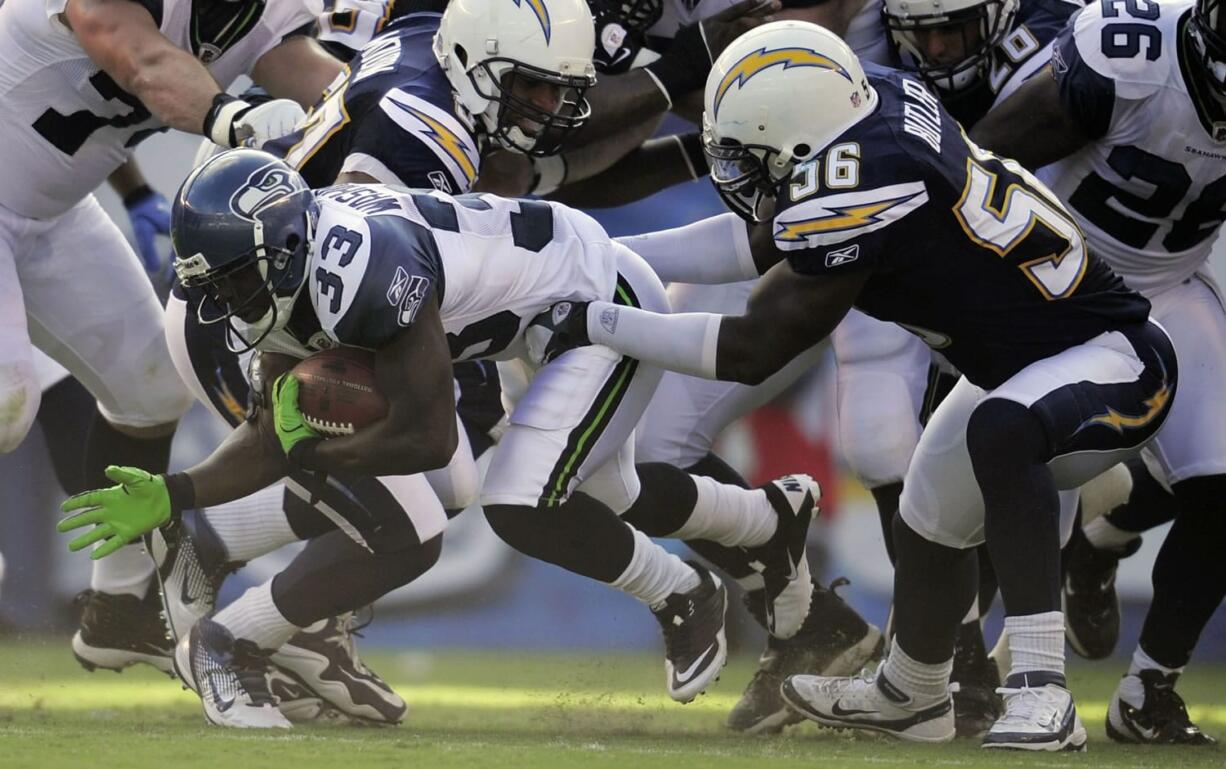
(560, 328)
(292, 430)
(119, 514)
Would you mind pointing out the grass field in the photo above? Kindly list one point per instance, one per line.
(506, 710)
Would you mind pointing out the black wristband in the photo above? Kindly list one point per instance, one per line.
(302, 455)
(219, 101)
(685, 65)
(137, 195)
(182, 492)
(691, 146)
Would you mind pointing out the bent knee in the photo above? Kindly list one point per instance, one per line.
(20, 395)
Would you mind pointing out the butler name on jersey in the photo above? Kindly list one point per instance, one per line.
(1151, 189)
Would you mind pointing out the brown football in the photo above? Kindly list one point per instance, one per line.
(337, 393)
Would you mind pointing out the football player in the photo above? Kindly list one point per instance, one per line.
(466, 276)
(1131, 118)
(84, 81)
(880, 200)
(393, 116)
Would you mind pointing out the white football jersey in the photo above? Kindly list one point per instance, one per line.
(1150, 191)
(495, 264)
(66, 124)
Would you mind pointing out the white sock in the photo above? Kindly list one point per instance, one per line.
(1036, 642)
(128, 570)
(1142, 661)
(920, 680)
(256, 618)
(729, 515)
(1105, 535)
(252, 526)
(654, 573)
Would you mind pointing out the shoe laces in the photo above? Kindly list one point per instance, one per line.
(1028, 705)
(250, 666)
(348, 628)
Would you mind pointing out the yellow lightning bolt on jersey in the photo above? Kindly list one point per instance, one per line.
(1119, 422)
(455, 147)
(756, 61)
(841, 218)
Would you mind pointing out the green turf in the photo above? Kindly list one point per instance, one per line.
(504, 710)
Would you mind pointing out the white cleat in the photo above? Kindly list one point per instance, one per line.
(230, 676)
(191, 566)
(782, 561)
(869, 702)
(1039, 715)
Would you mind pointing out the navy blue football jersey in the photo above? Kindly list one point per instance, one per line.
(967, 250)
(1023, 51)
(391, 115)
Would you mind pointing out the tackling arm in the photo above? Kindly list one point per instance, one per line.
(787, 314)
(298, 69)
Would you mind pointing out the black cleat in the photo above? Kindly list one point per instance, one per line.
(976, 703)
(326, 662)
(695, 649)
(118, 631)
(1161, 718)
(833, 641)
(1091, 606)
(231, 677)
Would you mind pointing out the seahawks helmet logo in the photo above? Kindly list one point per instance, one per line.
(263, 186)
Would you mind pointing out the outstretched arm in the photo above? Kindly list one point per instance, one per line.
(787, 314)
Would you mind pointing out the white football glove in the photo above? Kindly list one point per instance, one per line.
(236, 123)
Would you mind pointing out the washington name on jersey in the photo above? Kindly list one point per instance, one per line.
(67, 125)
(1150, 188)
(967, 250)
(492, 264)
(391, 115)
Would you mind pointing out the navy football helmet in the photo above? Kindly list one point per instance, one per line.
(1207, 31)
(241, 226)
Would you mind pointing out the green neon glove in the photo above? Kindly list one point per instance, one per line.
(291, 426)
(119, 514)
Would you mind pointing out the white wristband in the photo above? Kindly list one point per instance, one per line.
(550, 173)
(224, 119)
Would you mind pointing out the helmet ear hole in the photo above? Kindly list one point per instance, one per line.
(802, 151)
(461, 55)
(292, 242)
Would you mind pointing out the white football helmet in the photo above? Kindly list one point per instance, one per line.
(485, 46)
(778, 95)
(980, 24)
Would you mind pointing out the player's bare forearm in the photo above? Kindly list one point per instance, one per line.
(298, 69)
(655, 165)
(1031, 126)
(787, 314)
(419, 432)
(245, 462)
(620, 100)
(122, 38)
(127, 179)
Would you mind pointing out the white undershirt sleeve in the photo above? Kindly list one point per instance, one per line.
(712, 250)
(684, 342)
